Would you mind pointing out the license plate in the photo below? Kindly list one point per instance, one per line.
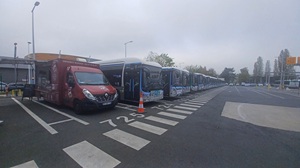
(107, 103)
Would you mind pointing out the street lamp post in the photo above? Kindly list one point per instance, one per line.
(15, 57)
(33, 44)
(29, 66)
(126, 48)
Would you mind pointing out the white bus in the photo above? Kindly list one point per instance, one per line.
(132, 76)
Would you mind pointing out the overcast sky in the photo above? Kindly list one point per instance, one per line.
(211, 33)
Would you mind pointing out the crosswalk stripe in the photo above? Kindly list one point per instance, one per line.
(185, 108)
(190, 105)
(172, 115)
(148, 127)
(162, 120)
(179, 111)
(30, 164)
(87, 155)
(128, 139)
(193, 103)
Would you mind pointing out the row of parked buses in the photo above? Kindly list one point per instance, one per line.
(132, 76)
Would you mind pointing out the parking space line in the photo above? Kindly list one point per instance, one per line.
(127, 139)
(190, 105)
(185, 108)
(147, 127)
(179, 111)
(172, 115)
(62, 113)
(30, 164)
(58, 122)
(126, 108)
(193, 103)
(162, 120)
(88, 155)
(38, 119)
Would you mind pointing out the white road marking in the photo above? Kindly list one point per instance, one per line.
(62, 113)
(172, 115)
(148, 127)
(58, 122)
(38, 119)
(125, 138)
(89, 156)
(190, 105)
(162, 120)
(30, 164)
(278, 117)
(193, 103)
(185, 108)
(180, 111)
(126, 108)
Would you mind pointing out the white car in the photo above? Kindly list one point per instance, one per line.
(2, 86)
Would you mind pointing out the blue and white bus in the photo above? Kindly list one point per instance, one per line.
(130, 76)
(174, 82)
(186, 87)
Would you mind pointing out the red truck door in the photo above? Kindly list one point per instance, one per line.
(69, 89)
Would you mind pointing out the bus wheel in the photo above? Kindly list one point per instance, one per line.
(77, 107)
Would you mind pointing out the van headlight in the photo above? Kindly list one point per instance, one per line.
(88, 94)
(116, 96)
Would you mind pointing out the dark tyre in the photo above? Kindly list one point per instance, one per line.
(78, 108)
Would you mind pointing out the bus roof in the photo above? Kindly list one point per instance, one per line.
(129, 60)
(175, 68)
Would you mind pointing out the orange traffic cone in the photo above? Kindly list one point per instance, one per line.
(141, 106)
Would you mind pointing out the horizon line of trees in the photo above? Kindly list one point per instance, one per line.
(261, 73)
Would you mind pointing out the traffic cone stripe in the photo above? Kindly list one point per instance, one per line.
(141, 106)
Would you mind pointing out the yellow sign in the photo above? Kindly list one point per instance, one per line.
(291, 60)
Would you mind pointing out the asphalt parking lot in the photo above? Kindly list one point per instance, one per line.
(223, 127)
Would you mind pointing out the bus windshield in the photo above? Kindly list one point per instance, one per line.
(151, 78)
(89, 78)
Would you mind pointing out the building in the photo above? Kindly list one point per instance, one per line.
(25, 65)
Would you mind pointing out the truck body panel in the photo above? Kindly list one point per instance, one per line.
(65, 82)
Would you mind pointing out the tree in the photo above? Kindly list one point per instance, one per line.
(228, 75)
(258, 70)
(244, 76)
(163, 59)
(267, 71)
(288, 71)
(276, 69)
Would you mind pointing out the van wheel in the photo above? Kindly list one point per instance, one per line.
(77, 108)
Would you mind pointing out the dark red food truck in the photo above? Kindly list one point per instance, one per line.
(79, 85)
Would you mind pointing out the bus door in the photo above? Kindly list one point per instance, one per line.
(167, 84)
(131, 82)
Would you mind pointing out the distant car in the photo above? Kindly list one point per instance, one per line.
(230, 84)
(2, 86)
(12, 86)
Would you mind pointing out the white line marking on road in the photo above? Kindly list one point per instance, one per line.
(125, 138)
(62, 113)
(180, 111)
(58, 122)
(185, 108)
(148, 127)
(30, 164)
(162, 120)
(172, 115)
(88, 155)
(190, 105)
(38, 119)
(272, 95)
(126, 108)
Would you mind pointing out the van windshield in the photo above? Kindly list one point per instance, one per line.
(89, 78)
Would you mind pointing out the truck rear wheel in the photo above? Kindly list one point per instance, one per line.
(77, 107)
